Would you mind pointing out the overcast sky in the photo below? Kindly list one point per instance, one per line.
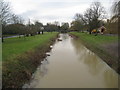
(53, 10)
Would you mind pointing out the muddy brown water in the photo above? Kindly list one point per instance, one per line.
(72, 65)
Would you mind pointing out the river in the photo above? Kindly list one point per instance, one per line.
(72, 65)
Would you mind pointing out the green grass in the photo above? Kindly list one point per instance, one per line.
(99, 39)
(15, 46)
(21, 57)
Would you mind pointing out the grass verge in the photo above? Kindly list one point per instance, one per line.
(95, 44)
(18, 66)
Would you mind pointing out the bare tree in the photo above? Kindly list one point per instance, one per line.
(16, 19)
(4, 12)
(94, 14)
(88, 17)
(78, 23)
(38, 26)
(98, 10)
(81, 18)
(116, 8)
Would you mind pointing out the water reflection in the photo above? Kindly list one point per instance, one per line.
(95, 65)
(64, 36)
(87, 57)
(72, 65)
(110, 78)
(40, 72)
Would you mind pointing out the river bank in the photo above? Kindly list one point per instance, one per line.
(72, 65)
(106, 47)
(18, 66)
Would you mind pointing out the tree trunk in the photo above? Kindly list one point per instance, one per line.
(2, 39)
(42, 32)
(89, 32)
(39, 32)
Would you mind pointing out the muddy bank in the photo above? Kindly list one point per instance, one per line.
(105, 52)
(111, 48)
(18, 71)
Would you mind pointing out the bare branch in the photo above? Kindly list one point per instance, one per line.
(4, 11)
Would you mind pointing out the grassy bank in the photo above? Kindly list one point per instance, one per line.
(15, 46)
(21, 56)
(98, 45)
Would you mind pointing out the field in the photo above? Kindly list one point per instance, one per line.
(99, 39)
(15, 46)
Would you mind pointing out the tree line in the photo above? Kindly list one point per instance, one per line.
(91, 19)
(14, 24)
(94, 17)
